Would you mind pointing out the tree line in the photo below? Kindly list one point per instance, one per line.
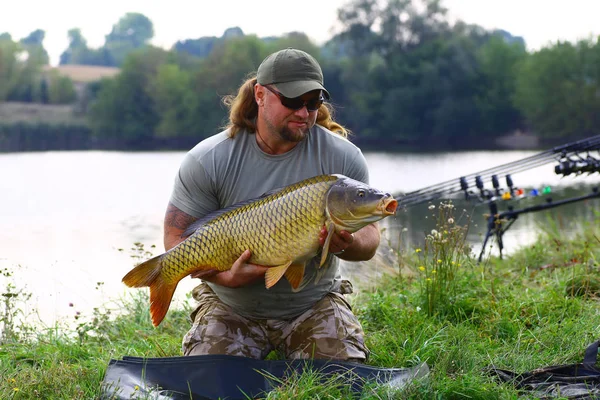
(400, 75)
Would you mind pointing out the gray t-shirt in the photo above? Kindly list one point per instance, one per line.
(221, 171)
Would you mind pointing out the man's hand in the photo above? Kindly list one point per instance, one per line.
(340, 241)
(240, 274)
(358, 246)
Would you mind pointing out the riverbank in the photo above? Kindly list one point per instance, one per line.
(43, 127)
(537, 307)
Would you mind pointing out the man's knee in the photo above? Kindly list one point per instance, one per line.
(217, 329)
(330, 331)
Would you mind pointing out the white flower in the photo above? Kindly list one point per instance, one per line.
(431, 207)
(450, 220)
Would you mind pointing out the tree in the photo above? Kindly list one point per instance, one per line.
(133, 31)
(34, 43)
(393, 26)
(174, 101)
(499, 59)
(124, 110)
(557, 89)
(9, 67)
(77, 45)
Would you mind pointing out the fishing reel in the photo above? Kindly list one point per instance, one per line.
(578, 166)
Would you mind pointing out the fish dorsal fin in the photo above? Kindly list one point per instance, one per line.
(295, 274)
(217, 213)
(274, 274)
(325, 250)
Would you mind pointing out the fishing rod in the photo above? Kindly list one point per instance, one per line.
(571, 161)
(568, 156)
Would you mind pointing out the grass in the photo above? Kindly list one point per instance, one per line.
(536, 308)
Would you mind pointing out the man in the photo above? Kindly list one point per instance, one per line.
(280, 132)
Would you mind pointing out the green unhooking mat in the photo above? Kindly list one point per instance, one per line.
(231, 377)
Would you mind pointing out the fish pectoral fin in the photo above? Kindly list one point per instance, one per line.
(325, 250)
(295, 274)
(274, 274)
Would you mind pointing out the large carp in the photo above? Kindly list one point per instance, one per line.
(281, 229)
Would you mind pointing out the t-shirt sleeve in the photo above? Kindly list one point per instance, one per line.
(193, 190)
(357, 167)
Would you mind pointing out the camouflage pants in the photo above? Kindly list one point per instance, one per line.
(328, 330)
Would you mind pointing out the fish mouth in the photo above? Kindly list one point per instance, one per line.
(389, 206)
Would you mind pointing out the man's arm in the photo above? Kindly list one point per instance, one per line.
(176, 222)
(358, 246)
(240, 274)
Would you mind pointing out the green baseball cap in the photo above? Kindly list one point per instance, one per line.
(293, 71)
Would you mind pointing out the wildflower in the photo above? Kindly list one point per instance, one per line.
(439, 261)
(16, 389)
(418, 308)
(13, 380)
(434, 232)
(404, 229)
(422, 268)
(417, 250)
(434, 271)
(431, 207)
(428, 279)
(136, 387)
(451, 220)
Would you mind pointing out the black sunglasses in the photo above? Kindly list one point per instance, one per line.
(297, 103)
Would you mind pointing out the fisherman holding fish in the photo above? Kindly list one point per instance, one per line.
(280, 132)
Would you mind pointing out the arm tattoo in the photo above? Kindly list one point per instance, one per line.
(177, 219)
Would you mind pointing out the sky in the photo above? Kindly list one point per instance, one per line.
(539, 22)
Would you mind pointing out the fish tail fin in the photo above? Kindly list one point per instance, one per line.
(161, 291)
(144, 274)
(161, 294)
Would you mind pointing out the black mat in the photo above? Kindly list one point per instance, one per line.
(231, 377)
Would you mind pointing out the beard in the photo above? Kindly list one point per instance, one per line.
(289, 135)
(293, 135)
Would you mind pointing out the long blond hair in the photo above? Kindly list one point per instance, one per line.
(243, 111)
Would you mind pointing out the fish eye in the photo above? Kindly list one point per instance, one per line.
(361, 193)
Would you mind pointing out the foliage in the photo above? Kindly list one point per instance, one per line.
(133, 31)
(444, 258)
(400, 72)
(557, 89)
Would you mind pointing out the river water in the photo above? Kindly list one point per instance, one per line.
(68, 220)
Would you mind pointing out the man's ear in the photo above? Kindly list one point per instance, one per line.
(259, 94)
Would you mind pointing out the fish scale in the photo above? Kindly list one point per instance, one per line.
(263, 215)
(281, 230)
